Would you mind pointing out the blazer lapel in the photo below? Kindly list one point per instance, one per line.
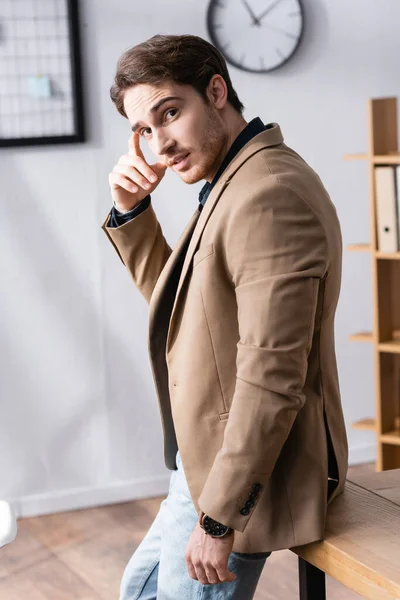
(204, 216)
(269, 137)
(156, 300)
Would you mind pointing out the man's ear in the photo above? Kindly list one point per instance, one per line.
(217, 91)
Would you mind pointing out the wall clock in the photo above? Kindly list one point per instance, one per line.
(256, 35)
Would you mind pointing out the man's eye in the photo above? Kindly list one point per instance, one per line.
(172, 110)
(145, 129)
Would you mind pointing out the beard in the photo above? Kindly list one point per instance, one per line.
(210, 147)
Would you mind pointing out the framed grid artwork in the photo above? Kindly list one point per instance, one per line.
(40, 73)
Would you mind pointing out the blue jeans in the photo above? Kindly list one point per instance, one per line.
(157, 570)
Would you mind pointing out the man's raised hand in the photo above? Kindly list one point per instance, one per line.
(132, 179)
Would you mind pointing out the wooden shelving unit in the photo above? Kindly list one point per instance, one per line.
(383, 149)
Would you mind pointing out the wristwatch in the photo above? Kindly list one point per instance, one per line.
(214, 528)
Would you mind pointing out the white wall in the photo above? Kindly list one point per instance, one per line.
(79, 417)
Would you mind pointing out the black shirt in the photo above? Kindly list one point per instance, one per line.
(254, 127)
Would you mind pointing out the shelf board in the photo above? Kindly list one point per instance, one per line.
(358, 247)
(368, 424)
(377, 253)
(387, 255)
(378, 159)
(362, 336)
(391, 346)
(392, 159)
(392, 437)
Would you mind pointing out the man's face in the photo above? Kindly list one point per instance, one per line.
(184, 125)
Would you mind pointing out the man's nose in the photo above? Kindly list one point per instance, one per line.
(162, 143)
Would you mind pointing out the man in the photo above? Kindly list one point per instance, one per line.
(241, 326)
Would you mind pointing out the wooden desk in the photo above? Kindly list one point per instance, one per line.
(361, 548)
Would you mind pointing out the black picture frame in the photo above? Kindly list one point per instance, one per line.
(76, 91)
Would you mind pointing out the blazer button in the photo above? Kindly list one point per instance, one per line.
(249, 503)
(244, 511)
(257, 487)
(253, 495)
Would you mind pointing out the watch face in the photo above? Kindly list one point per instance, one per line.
(256, 35)
(213, 527)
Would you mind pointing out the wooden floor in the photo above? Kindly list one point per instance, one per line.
(80, 555)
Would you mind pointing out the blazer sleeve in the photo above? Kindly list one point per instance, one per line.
(142, 248)
(117, 218)
(276, 255)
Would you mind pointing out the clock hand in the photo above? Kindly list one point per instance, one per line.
(253, 16)
(279, 30)
(264, 14)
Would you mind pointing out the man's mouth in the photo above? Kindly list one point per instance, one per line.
(179, 162)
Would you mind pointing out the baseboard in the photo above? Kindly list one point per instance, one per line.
(75, 499)
(125, 491)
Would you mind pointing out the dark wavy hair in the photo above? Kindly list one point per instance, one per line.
(183, 59)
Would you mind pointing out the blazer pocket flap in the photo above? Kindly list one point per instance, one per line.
(202, 253)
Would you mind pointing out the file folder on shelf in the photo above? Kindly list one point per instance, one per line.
(387, 209)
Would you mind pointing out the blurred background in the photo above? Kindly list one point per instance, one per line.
(79, 419)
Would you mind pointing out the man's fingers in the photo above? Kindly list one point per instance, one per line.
(141, 165)
(196, 570)
(201, 574)
(159, 168)
(224, 574)
(211, 575)
(134, 175)
(131, 143)
(117, 180)
(146, 170)
(190, 568)
(134, 145)
(135, 151)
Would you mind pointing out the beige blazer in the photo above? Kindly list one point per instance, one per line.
(242, 348)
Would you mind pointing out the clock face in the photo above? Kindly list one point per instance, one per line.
(256, 35)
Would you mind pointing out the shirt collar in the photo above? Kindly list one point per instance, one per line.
(254, 127)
